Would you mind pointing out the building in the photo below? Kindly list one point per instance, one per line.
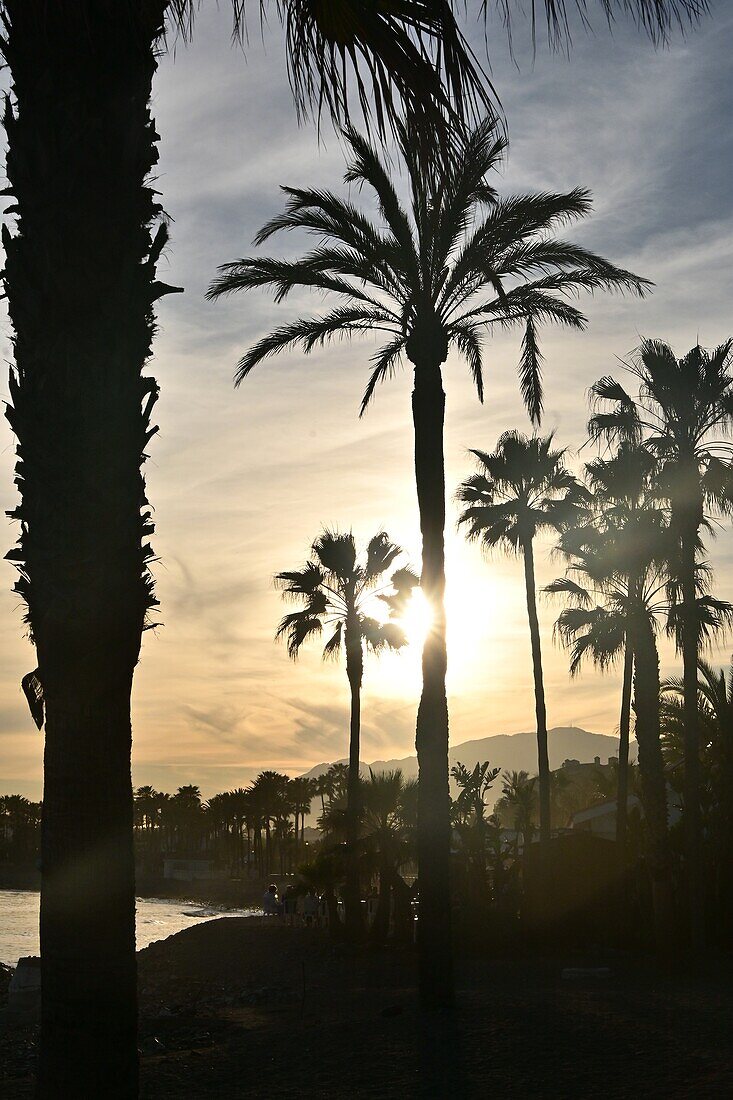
(187, 870)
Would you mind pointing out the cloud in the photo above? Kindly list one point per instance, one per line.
(241, 481)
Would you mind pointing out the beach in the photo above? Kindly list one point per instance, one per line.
(236, 1008)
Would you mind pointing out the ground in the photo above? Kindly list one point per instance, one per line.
(238, 1008)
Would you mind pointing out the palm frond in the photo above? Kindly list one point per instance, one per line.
(380, 555)
(308, 332)
(530, 372)
(385, 363)
(296, 628)
(468, 341)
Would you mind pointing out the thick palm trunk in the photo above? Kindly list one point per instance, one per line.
(354, 671)
(433, 828)
(539, 692)
(622, 796)
(79, 277)
(653, 785)
(694, 884)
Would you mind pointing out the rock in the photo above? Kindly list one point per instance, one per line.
(24, 990)
(6, 973)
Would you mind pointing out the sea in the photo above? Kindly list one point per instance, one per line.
(155, 919)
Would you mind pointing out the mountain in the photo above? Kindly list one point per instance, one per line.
(510, 752)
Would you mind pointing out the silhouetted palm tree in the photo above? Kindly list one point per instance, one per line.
(80, 278)
(524, 489)
(519, 792)
(604, 609)
(302, 791)
(459, 261)
(337, 590)
(623, 488)
(680, 407)
(386, 838)
(715, 724)
(469, 808)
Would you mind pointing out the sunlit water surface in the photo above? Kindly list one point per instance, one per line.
(156, 919)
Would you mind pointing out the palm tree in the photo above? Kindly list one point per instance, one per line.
(604, 610)
(302, 791)
(268, 793)
(524, 488)
(519, 793)
(386, 838)
(715, 722)
(470, 810)
(336, 590)
(459, 262)
(623, 488)
(681, 405)
(80, 278)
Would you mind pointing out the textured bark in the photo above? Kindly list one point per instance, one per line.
(79, 277)
(694, 885)
(539, 692)
(88, 902)
(622, 797)
(433, 830)
(651, 769)
(355, 672)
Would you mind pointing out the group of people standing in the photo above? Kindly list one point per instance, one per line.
(296, 907)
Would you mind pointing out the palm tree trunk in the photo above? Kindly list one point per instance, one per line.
(354, 671)
(79, 277)
(539, 692)
(433, 827)
(693, 848)
(624, 725)
(651, 769)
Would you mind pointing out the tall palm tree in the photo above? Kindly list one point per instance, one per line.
(523, 489)
(682, 409)
(302, 791)
(80, 278)
(457, 262)
(269, 792)
(605, 608)
(623, 487)
(337, 591)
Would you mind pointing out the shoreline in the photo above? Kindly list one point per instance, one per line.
(224, 893)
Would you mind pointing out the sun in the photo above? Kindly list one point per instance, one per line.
(416, 619)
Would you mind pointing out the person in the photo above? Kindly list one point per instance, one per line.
(290, 901)
(270, 902)
(310, 908)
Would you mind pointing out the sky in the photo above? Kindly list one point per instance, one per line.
(243, 480)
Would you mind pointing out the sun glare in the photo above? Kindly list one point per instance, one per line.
(416, 619)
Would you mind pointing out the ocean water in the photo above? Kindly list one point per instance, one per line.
(156, 919)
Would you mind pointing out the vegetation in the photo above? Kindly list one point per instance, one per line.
(336, 590)
(524, 488)
(81, 285)
(458, 261)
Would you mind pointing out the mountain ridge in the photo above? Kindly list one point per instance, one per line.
(508, 751)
